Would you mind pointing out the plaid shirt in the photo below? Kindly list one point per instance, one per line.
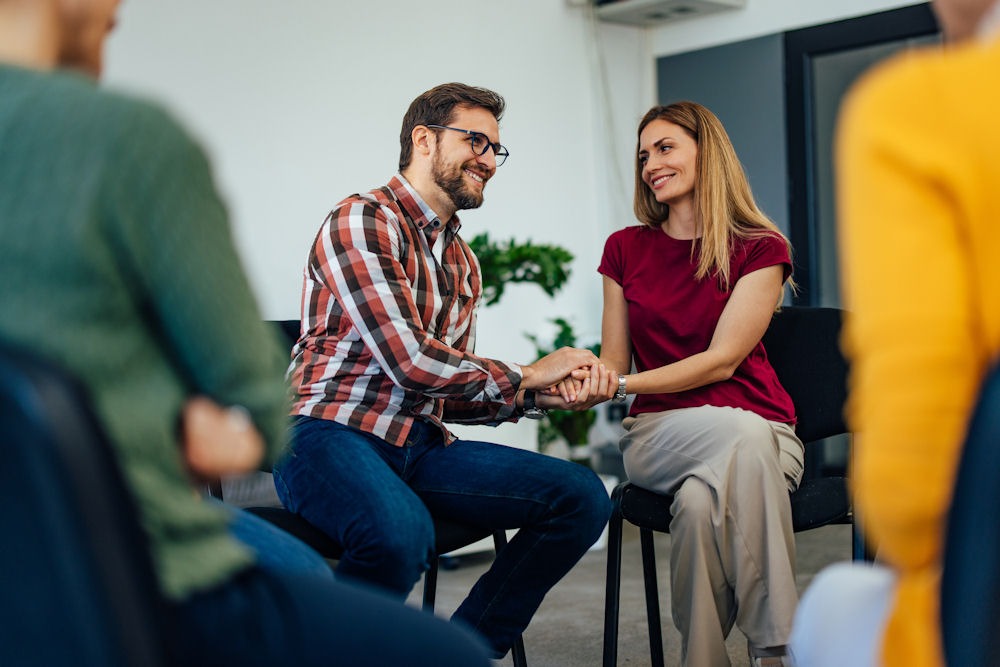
(387, 330)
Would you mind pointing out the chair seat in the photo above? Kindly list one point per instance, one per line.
(817, 502)
(449, 535)
(300, 528)
(821, 501)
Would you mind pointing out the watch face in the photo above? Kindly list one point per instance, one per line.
(534, 413)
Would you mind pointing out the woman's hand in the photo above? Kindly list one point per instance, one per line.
(595, 387)
(218, 441)
(555, 368)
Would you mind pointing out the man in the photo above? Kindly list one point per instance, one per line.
(116, 262)
(917, 166)
(386, 358)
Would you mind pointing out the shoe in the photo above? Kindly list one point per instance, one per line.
(771, 661)
(780, 660)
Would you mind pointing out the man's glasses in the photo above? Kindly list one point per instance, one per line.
(480, 143)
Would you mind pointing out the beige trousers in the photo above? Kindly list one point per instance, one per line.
(732, 555)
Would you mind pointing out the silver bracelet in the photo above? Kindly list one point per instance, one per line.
(619, 396)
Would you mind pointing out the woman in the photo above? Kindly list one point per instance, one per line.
(687, 297)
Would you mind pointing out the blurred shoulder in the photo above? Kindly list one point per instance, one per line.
(919, 82)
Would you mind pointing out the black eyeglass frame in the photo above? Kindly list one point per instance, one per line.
(499, 151)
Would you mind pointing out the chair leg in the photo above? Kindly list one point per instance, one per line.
(517, 651)
(612, 593)
(430, 585)
(859, 546)
(652, 598)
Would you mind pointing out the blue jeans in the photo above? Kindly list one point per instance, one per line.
(274, 549)
(289, 610)
(263, 618)
(377, 499)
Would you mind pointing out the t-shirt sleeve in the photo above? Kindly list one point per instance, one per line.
(768, 250)
(611, 261)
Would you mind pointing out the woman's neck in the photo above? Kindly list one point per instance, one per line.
(681, 222)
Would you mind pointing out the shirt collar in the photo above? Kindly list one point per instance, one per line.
(423, 215)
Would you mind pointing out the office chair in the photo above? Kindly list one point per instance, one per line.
(970, 581)
(71, 534)
(803, 346)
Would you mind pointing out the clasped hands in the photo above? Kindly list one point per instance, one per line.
(218, 440)
(570, 379)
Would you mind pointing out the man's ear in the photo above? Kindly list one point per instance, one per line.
(424, 140)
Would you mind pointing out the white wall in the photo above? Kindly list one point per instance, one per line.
(300, 102)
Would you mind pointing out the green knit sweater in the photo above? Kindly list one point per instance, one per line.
(116, 261)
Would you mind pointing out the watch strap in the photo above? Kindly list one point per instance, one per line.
(620, 394)
(530, 408)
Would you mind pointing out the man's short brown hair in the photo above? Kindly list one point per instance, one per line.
(437, 107)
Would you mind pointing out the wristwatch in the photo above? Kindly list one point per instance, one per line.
(619, 396)
(532, 411)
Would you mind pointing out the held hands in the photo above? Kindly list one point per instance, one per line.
(218, 441)
(588, 387)
(564, 370)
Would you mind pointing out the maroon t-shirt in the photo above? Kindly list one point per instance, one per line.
(672, 316)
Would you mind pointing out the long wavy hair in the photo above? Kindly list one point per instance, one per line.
(725, 210)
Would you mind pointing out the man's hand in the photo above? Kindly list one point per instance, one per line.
(218, 441)
(557, 366)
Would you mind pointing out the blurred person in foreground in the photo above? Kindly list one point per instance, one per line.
(917, 172)
(116, 262)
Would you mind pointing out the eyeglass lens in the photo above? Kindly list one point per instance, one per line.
(481, 144)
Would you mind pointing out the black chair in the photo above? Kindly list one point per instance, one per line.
(803, 346)
(449, 535)
(71, 534)
(970, 582)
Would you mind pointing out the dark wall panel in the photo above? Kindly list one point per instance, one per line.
(743, 84)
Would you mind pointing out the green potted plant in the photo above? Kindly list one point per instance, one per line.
(507, 262)
(572, 425)
(547, 266)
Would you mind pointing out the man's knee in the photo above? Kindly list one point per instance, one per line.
(394, 544)
(585, 500)
(389, 554)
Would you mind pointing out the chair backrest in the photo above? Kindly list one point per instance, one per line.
(77, 576)
(289, 329)
(803, 346)
(970, 583)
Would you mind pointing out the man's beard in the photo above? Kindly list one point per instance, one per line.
(455, 186)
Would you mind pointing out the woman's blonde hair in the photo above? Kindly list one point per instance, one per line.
(725, 210)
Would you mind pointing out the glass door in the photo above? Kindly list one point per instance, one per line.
(821, 64)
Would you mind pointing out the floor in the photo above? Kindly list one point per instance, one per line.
(567, 631)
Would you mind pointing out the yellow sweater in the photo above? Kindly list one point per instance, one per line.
(918, 166)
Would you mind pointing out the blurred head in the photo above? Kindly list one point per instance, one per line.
(83, 27)
(438, 106)
(959, 19)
